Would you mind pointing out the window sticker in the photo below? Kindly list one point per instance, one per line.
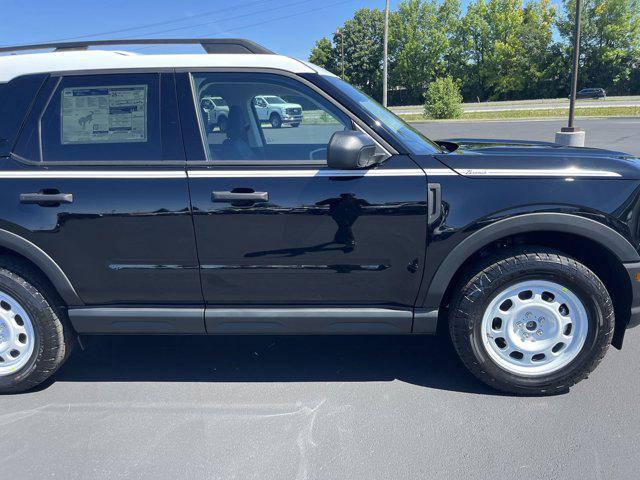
(110, 114)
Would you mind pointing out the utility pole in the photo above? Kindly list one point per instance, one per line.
(571, 135)
(341, 33)
(385, 61)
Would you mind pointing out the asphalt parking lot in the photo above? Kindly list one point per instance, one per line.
(620, 134)
(321, 407)
(312, 408)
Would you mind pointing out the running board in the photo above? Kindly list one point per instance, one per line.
(137, 320)
(292, 321)
(308, 320)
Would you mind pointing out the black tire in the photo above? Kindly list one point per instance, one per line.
(275, 120)
(295, 125)
(222, 124)
(485, 280)
(53, 335)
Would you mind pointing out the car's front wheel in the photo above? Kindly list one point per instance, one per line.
(275, 120)
(35, 337)
(531, 321)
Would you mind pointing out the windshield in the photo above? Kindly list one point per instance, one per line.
(274, 100)
(409, 136)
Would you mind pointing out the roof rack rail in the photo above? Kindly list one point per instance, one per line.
(210, 45)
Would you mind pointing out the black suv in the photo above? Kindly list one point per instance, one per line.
(591, 93)
(123, 213)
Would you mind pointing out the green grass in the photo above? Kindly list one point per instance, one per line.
(550, 113)
(317, 117)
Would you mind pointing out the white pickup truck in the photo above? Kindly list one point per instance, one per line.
(277, 111)
(216, 112)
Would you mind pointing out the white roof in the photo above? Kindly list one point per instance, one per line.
(12, 66)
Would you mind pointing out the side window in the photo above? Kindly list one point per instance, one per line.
(109, 117)
(265, 117)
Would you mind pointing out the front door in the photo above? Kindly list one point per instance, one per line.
(276, 227)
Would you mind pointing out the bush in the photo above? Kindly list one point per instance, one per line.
(443, 99)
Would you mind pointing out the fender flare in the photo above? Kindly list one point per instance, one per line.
(44, 262)
(530, 222)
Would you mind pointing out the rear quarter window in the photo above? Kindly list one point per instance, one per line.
(16, 98)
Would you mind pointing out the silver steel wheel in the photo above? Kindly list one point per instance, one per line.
(534, 328)
(16, 335)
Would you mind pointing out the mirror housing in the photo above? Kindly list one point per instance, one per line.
(349, 150)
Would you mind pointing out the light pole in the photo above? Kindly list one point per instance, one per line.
(576, 59)
(571, 135)
(385, 60)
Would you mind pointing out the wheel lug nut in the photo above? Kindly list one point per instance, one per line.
(539, 332)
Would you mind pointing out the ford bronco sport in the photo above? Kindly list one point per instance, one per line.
(122, 212)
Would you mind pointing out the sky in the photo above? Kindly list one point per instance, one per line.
(289, 27)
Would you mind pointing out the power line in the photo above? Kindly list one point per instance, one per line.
(235, 17)
(257, 24)
(164, 22)
(283, 17)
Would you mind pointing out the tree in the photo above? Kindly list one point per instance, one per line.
(498, 49)
(609, 42)
(324, 56)
(505, 63)
(635, 78)
(363, 50)
(475, 43)
(362, 36)
(420, 45)
(506, 47)
(536, 35)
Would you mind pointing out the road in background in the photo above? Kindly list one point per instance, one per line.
(542, 104)
(312, 408)
(621, 134)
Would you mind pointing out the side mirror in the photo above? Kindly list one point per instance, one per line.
(348, 150)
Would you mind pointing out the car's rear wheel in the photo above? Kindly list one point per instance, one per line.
(276, 121)
(35, 337)
(531, 321)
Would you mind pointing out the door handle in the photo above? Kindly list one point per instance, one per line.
(227, 197)
(46, 198)
(434, 202)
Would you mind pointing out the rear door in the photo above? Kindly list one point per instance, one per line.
(97, 180)
(276, 227)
